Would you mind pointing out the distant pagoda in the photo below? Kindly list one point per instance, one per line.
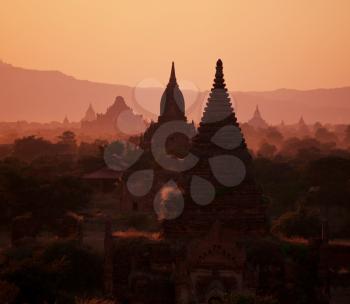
(106, 124)
(302, 126)
(257, 121)
(65, 120)
(90, 114)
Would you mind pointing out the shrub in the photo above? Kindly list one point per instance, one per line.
(83, 268)
(8, 292)
(55, 274)
(304, 222)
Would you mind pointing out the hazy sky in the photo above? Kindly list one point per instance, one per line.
(265, 44)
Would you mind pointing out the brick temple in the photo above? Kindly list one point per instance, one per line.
(214, 245)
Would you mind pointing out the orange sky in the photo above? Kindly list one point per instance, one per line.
(265, 44)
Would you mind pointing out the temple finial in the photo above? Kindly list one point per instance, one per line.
(219, 82)
(257, 111)
(172, 74)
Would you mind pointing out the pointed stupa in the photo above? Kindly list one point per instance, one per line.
(172, 104)
(90, 114)
(219, 107)
(257, 121)
(172, 79)
(302, 126)
(218, 116)
(257, 111)
(65, 120)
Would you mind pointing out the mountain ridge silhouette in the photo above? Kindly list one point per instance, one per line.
(39, 95)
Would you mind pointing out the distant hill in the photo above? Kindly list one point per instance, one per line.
(50, 95)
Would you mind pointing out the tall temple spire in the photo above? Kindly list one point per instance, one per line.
(219, 106)
(90, 114)
(219, 81)
(257, 111)
(172, 79)
(218, 117)
(172, 104)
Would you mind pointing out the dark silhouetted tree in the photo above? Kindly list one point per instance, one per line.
(267, 150)
(304, 222)
(31, 147)
(273, 136)
(347, 136)
(324, 135)
(67, 143)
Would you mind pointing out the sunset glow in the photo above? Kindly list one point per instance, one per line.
(264, 44)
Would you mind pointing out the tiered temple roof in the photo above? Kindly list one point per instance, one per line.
(219, 117)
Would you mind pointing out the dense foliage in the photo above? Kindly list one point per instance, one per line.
(305, 181)
(56, 273)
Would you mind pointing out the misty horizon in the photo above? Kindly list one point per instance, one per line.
(74, 95)
(250, 90)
